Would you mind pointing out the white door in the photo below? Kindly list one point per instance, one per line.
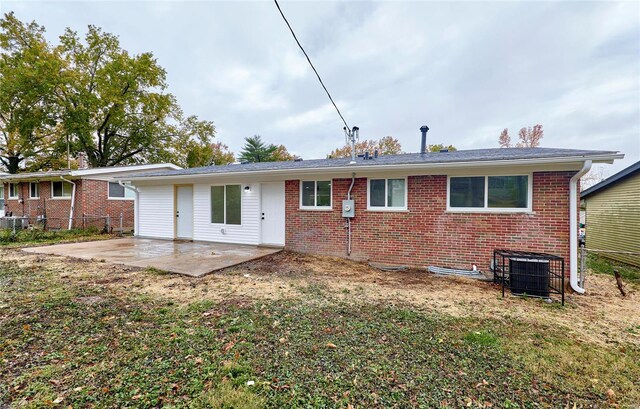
(272, 213)
(184, 212)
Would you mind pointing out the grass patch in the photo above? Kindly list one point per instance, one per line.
(602, 265)
(25, 237)
(76, 344)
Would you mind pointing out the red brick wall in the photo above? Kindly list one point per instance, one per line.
(91, 199)
(426, 234)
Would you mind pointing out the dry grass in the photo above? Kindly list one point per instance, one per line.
(602, 316)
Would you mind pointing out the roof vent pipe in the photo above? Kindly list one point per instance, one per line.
(423, 147)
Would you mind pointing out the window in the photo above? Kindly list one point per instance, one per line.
(487, 193)
(61, 190)
(387, 194)
(119, 192)
(226, 204)
(34, 190)
(315, 194)
(14, 189)
(1, 199)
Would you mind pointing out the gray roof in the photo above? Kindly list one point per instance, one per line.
(473, 155)
(612, 180)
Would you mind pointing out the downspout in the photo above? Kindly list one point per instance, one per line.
(135, 206)
(573, 226)
(353, 180)
(73, 201)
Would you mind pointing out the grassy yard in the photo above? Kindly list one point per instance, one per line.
(79, 334)
(40, 237)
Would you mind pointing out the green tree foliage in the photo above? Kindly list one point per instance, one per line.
(440, 146)
(256, 150)
(31, 75)
(92, 95)
(387, 145)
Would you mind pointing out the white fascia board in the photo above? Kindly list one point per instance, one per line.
(124, 169)
(540, 164)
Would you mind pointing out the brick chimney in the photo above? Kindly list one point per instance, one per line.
(82, 161)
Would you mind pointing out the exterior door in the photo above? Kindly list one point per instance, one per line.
(272, 213)
(184, 212)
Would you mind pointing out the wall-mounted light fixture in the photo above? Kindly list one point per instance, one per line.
(247, 188)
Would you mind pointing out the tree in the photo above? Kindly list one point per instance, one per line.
(439, 147)
(31, 74)
(281, 154)
(115, 107)
(256, 150)
(387, 145)
(528, 137)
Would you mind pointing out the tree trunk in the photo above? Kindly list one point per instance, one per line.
(13, 165)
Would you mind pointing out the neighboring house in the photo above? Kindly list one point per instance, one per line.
(447, 209)
(613, 216)
(50, 194)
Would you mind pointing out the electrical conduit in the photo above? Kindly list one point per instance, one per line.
(573, 226)
(353, 180)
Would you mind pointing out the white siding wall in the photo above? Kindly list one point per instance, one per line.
(155, 211)
(247, 233)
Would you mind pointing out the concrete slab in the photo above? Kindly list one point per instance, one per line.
(189, 258)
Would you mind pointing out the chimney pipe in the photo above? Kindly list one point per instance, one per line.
(423, 147)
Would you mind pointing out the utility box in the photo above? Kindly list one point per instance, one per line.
(348, 208)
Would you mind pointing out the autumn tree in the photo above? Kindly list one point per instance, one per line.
(281, 154)
(387, 145)
(31, 75)
(440, 147)
(528, 137)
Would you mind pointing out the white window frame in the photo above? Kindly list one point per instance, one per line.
(16, 190)
(225, 205)
(387, 208)
(109, 197)
(37, 185)
(315, 190)
(486, 208)
(61, 197)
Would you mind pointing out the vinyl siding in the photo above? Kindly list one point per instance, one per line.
(613, 220)
(156, 211)
(246, 233)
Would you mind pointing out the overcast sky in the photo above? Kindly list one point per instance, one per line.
(467, 70)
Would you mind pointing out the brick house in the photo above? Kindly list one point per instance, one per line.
(93, 194)
(449, 209)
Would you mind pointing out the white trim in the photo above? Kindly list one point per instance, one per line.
(386, 207)
(411, 167)
(122, 169)
(315, 196)
(37, 184)
(61, 197)
(486, 208)
(225, 204)
(16, 197)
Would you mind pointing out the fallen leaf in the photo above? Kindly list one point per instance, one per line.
(59, 399)
(331, 345)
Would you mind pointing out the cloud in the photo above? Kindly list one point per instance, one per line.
(468, 70)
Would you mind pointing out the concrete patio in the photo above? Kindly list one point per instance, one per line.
(188, 258)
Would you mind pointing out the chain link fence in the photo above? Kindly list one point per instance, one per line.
(105, 224)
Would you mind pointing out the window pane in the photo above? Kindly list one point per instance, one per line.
(115, 190)
(308, 197)
(508, 191)
(395, 193)
(376, 193)
(13, 189)
(324, 193)
(466, 192)
(217, 204)
(57, 189)
(129, 194)
(33, 189)
(234, 204)
(67, 188)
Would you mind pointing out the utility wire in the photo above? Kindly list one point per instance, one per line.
(311, 64)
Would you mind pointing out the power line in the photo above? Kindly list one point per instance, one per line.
(311, 64)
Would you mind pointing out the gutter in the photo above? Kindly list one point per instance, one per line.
(73, 201)
(135, 206)
(573, 226)
(382, 167)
